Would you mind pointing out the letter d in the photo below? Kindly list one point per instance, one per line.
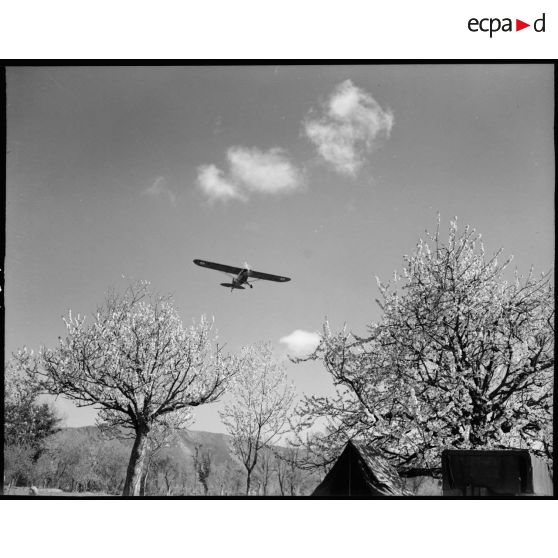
(535, 25)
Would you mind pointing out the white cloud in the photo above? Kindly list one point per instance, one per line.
(300, 343)
(213, 183)
(160, 189)
(268, 172)
(349, 128)
(250, 170)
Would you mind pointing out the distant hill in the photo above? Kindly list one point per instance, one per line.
(85, 459)
(186, 441)
(217, 443)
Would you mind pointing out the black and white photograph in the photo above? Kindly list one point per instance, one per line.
(323, 281)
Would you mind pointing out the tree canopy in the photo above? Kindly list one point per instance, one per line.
(461, 358)
(137, 363)
(27, 422)
(258, 412)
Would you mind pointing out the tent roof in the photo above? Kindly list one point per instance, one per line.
(360, 471)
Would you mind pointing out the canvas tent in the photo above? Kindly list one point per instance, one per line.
(360, 472)
(508, 472)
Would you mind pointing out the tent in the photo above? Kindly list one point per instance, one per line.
(361, 472)
(506, 472)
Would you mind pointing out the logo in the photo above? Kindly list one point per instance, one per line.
(494, 25)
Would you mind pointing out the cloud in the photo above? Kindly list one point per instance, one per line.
(250, 170)
(268, 172)
(213, 183)
(350, 127)
(300, 343)
(160, 189)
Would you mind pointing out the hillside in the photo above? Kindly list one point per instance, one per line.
(84, 459)
(187, 439)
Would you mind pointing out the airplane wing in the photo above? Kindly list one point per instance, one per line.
(268, 276)
(219, 267)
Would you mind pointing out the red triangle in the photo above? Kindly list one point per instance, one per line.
(519, 25)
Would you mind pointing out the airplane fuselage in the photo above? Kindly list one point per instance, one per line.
(241, 278)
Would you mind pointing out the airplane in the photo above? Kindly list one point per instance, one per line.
(240, 275)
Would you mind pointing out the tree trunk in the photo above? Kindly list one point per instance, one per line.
(135, 465)
(145, 473)
(281, 479)
(168, 483)
(143, 482)
(477, 433)
(249, 474)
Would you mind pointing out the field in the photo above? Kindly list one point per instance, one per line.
(50, 492)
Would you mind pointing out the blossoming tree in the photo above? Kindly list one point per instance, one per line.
(28, 424)
(138, 364)
(462, 358)
(261, 400)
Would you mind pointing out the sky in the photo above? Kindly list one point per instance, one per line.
(325, 174)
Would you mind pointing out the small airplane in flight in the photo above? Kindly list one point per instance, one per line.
(240, 275)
